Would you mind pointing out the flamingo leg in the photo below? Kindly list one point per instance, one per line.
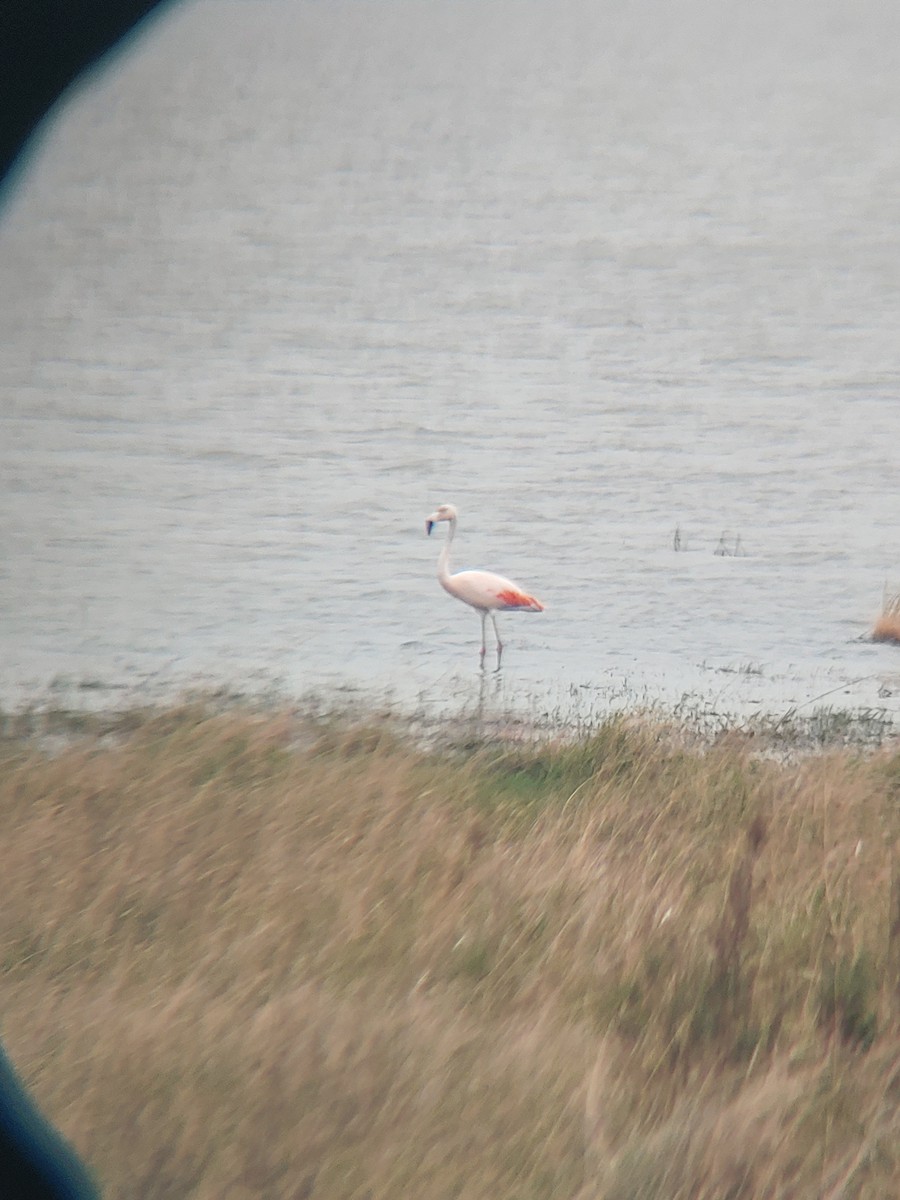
(497, 636)
(483, 636)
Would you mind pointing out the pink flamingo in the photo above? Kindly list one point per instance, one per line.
(482, 589)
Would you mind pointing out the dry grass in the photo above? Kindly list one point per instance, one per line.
(249, 956)
(887, 625)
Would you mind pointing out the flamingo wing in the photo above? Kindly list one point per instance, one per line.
(516, 598)
(485, 590)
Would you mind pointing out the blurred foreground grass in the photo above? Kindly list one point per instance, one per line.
(256, 955)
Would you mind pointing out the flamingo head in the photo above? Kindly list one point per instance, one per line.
(443, 512)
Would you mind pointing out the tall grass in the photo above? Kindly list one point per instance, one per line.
(887, 624)
(253, 955)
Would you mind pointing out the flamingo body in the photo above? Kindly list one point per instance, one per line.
(483, 590)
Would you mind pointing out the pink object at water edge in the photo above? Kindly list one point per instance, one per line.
(482, 590)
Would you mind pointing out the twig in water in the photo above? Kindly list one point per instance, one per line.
(794, 709)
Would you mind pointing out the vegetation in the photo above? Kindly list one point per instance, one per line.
(256, 955)
(887, 624)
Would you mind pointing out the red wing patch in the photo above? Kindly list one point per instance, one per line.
(519, 600)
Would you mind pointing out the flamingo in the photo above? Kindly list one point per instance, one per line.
(483, 590)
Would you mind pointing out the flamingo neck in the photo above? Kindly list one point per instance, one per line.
(444, 558)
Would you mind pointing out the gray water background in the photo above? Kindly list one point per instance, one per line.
(610, 277)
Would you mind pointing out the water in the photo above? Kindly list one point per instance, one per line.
(611, 278)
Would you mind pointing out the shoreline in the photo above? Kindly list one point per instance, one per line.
(57, 718)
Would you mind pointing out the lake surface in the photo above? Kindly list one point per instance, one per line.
(621, 281)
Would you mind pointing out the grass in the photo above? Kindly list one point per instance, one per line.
(887, 624)
(254, 955)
